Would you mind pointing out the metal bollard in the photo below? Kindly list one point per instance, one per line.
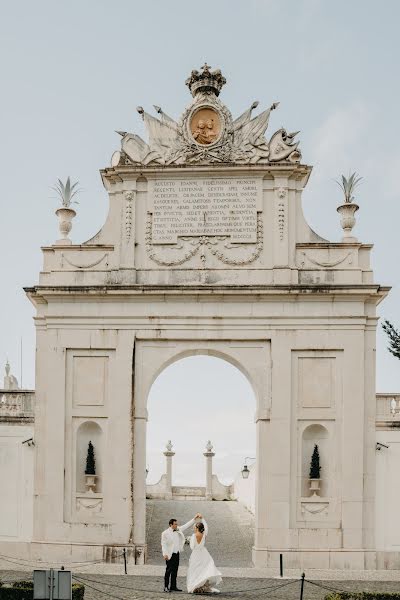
(302, 586)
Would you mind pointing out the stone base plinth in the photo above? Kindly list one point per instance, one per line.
(335, 559)
(72, 554)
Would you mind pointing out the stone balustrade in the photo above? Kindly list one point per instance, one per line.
(20, 404)
(384, 416)
(17, 405)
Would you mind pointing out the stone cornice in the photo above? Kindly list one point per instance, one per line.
(123, 173)
(328, 245)
(40, 294)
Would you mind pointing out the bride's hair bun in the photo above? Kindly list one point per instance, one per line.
(200, 527)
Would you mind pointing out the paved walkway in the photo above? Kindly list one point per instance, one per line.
(229, 541)
(231, 529)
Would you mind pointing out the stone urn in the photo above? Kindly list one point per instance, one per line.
(347, 219)
(65, 216)
(90, 482)
(314, 486)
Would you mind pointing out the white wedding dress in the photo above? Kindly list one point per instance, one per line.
(202, 572)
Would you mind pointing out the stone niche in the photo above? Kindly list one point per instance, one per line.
(317, 403)
(87, 407)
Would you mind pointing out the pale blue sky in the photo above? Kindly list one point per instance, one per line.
(73, 72)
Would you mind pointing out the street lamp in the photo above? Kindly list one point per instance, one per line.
(246, 470)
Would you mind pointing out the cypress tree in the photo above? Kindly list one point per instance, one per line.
(394, 338)
(90, 461)
(315, 466)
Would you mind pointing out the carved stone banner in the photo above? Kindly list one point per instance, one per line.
(206, 206)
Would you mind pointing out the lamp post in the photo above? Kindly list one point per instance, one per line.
(246, 470)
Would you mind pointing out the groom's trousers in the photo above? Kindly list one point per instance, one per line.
(171, 571)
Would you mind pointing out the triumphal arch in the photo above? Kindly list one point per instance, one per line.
(206, 250)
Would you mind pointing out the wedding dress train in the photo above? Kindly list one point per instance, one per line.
(202, 573)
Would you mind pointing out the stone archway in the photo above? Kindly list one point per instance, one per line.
(251, 357)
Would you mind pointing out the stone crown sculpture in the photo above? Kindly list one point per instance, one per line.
(206, 81)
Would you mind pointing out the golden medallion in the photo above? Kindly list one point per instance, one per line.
(205, 126)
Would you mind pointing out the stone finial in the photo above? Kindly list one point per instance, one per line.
(66, 192)
(169, 446)
(209, 446)
(10, 382)
(205, 81)
(349, 208)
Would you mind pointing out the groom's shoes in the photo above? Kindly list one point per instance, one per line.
(175, 590)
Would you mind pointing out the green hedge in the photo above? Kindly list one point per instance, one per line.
(23, 590)
(361, 596)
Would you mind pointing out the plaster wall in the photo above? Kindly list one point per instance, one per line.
(16, 477)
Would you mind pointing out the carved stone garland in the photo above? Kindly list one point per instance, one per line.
(130, 197)
(203, 242)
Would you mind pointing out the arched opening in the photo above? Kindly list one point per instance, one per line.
(192, 401)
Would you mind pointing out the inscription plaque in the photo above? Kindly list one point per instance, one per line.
(206, 206)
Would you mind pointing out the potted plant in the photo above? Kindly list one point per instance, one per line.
(315, 471)
(66, 213)
(347, 210)
(90, 471)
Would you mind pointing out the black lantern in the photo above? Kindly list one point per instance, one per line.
(246, 470)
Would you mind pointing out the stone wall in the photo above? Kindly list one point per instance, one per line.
(16, 465)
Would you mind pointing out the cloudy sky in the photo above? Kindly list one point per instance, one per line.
(73, 72)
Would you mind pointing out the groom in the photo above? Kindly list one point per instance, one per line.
(172, 542)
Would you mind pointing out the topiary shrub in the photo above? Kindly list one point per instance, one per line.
(22, 583)
(78, 591)
(90, 461)
(315, 466)
(16, 593)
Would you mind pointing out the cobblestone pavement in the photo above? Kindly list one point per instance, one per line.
(231, 529)
(128, 587)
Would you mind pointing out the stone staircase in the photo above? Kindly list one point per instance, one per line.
(231, 529)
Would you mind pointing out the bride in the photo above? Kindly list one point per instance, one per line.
(202, 573)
